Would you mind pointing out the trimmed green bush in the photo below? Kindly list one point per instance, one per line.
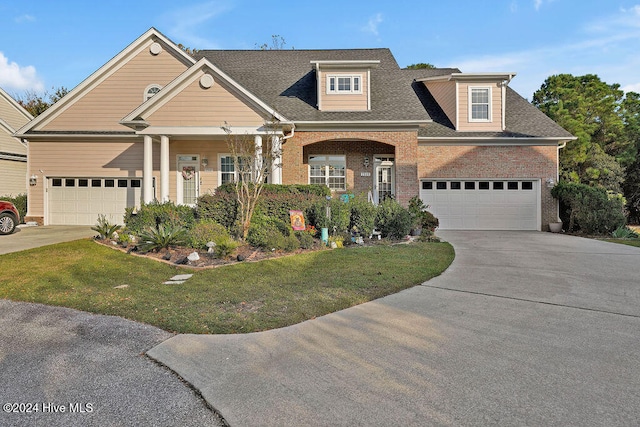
(305, 238)
(225, 246)
(20, 202)
(392, 219)
(205, 231)
(363, 215)
(340, 217)
(268, 232)
(153, 214)
(590, 210)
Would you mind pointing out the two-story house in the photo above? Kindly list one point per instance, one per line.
(148, 126)
(13, 153)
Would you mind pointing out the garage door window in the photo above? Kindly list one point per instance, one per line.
(109, 183)
(56, 182)
(83, 183)
(498, 185)
(470, 185)
(527, 185)
(96, 183)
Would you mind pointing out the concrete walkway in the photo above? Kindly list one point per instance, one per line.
(525, 328)
(32, 237)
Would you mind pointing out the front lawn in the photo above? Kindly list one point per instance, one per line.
(245, 297)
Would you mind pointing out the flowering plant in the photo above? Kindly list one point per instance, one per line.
(310, 229)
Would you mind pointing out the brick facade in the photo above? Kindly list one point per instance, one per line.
(518, 162)
(414, 162)
(355, 146)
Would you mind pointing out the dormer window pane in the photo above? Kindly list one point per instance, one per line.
(344, 84)
(356, 84)
(480, 104)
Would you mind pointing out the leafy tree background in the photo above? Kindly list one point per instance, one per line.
(606, 122)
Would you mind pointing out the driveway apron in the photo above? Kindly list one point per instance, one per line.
(524, 328)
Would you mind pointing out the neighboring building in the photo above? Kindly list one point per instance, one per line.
(13, 153)
(148, 125)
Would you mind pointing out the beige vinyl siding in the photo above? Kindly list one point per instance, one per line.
(445, 95)
(344, 102)
(9, 144)
(196, 106)
(209, 175)
(83, 159)
(105, 105)
(11, 115)
(496, 108)
(13, 177)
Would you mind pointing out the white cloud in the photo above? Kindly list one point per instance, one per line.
(372, 24)
(25, 18)
(184, 24)
(537, 4)
(634, 87)
(13, 76)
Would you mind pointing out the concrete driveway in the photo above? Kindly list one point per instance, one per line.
(525, 328)
(32, 237)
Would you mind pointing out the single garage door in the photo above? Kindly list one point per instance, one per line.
(79, 201)
(476, 204)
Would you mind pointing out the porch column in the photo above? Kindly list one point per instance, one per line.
(164, 168)
(276, 154)
(258, 159)
(147, 170)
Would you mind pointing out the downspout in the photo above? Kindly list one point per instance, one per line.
(504, 101)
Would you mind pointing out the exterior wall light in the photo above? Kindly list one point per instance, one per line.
(33, 180)
(550, 183)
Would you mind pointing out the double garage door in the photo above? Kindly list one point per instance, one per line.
(475, 204)
(79, 201)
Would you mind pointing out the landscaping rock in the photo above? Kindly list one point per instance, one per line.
(166, 256)
(193, 256)
(240, 258)
(211, 244)
(182, 260)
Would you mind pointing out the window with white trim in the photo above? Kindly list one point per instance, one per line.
(344, 83)
(330, 170)
(227, 170)
(479, 104)
(151, 90)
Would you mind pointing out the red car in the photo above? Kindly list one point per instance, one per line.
(9, 217)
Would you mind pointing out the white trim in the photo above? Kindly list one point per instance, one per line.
(369, 90)
(15, 105)
(164, 168)
(470, 76)
(326, 167)
(219, 166)
(457, 124)
(481, 141)
(470, 118)
(336, 91)
(145, 94)
(346, 63)
(204, 130)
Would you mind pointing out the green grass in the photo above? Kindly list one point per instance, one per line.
(630, 242)
(245, 297)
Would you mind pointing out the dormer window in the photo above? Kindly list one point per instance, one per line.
(480, 104)
(151, 90)
(344, 84)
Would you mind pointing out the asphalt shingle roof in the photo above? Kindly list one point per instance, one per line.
(286, 81)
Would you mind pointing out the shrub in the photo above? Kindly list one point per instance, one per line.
(421, 218)
(363, 215)
(429, 221)
(225, 246)
(20, 202)
(624, 232)
(340, 217)
(153, 214)
(221, 207)
(104, 228)
(305, 238)
(588, 209)
(161, 237)
(205, 231)
(268, 232)
(393, 220)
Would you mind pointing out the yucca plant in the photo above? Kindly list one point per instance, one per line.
(624, 232)
(161, 237)
(105, 229)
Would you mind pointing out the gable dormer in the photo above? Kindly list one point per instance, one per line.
(344, 85)
(474, 102)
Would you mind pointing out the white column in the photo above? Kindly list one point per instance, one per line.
(258, 159)
(147, 170)
(164, 168)
(276, 154)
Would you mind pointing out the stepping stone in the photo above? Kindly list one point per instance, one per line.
(178, 279)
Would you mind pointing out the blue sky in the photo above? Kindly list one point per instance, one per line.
(48, 44)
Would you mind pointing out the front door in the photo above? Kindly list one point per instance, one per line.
(384, 179)
(188, 179)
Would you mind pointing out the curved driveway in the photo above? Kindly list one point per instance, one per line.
(524, 328)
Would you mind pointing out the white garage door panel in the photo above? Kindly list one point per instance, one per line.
(470, 205)
(72, 204)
